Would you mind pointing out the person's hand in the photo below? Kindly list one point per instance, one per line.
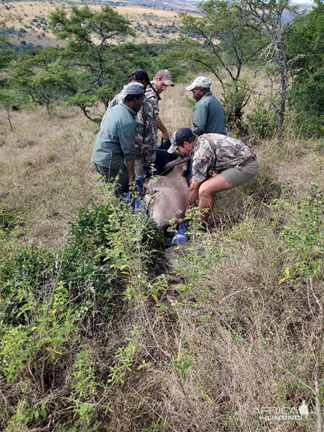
(131, 182)
(138, 142)
(165, 135)
(147, 149)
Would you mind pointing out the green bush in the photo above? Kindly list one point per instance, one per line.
(262, 120)
(307, 102)
(49, 308)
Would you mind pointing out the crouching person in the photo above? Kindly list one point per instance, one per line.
(219, 163)
(114, 152)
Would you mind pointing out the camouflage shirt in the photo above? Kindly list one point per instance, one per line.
(152, 93)
(223, 153)
(145, 123)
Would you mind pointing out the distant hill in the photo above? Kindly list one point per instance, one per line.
(173, 5)
(30, 26)
(152, 20)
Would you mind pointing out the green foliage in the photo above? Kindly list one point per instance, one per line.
(182, 362)
(92, 65)
(223, 42)
(303, 239)
(262, 120)
(30, 269)
(125, 356)
(47, 300)
(34, 77)
(235, 98)
(306, 44)
(84, 387)
(48, 325)
(6, 53)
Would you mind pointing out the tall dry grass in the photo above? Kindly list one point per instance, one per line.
(46, 170)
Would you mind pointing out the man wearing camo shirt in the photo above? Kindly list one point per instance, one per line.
(159, 84)
(219, 163)
(145, 138)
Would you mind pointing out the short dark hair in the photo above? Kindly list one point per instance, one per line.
(189, 140)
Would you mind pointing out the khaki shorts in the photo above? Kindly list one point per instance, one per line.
(240, 175)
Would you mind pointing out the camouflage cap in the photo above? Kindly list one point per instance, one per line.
(200, 81)
(165, 76)
(133, 88)
(179, 137)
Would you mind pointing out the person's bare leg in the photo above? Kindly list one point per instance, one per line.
(207, 192)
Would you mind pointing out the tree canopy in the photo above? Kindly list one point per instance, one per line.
(307, 90)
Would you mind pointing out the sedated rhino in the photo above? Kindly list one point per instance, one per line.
(168, 195)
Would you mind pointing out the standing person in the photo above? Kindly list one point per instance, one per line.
(208, 116)
(145, 139)
(159, 84)
(219, 163)
(114, 151)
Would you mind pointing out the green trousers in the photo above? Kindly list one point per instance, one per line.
(119, 177)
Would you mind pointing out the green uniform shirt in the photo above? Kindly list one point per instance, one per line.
(116, 140)
(208, 116)
(145, 123)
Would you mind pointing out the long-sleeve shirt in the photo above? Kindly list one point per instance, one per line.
(208, 116)
(116, 140)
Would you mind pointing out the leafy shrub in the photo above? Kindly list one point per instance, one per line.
(303, 239)
(47, 302)
(84, 262)
(262, 120)
(234, 100)
(307, 101)
(31, 269)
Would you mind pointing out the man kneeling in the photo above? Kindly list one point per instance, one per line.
(219, 163)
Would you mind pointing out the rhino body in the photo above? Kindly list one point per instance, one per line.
(168, 195)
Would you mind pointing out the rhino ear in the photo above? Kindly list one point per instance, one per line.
(182, 155)
(180, 160)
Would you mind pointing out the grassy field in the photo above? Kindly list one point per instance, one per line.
(30, 22)
(224, 326)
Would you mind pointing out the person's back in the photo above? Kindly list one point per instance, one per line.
(110, 150)
(208, 116)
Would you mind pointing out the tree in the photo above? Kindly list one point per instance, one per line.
(271, 21)
(6, 53)
(307, 90)
(33, 77)
(94, 64)
(222, 44)
(7, 97)
(232, 34)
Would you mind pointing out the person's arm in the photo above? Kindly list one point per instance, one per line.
(162, 128)
(199, 119)
(193, 193)
(131, 170)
